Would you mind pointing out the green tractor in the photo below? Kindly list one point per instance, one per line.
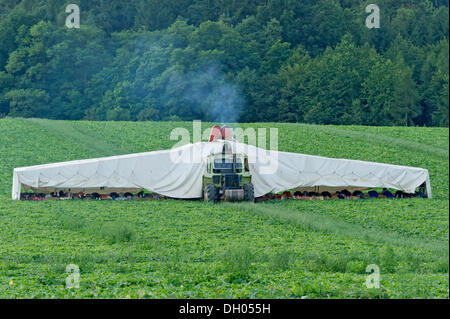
(227, 177)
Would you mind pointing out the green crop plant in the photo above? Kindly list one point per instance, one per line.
(192, 249)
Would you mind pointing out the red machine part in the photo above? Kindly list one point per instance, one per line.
(216, 133)
(220, 133)
(226, 132)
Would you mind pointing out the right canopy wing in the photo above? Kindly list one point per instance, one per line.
(292, 171)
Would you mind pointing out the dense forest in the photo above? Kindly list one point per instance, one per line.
(312, 61)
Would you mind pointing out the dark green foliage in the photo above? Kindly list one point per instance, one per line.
(238, 261)
(112, 232)
(71, 222)
(248, 61)
(281, 260)
(117, 232)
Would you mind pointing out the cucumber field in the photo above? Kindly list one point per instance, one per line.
(192, 249)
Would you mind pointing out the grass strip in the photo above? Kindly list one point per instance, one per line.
(320, 223)
(87, 140)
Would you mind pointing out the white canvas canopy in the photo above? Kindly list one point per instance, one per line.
(178, 173)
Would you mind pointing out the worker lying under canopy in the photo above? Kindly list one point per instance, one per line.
(179, 173)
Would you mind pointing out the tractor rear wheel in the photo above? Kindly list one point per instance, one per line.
(209, 193)
(249, 193)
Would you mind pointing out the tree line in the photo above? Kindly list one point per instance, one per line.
(226, 60)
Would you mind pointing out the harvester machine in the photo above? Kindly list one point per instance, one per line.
(227, 174)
